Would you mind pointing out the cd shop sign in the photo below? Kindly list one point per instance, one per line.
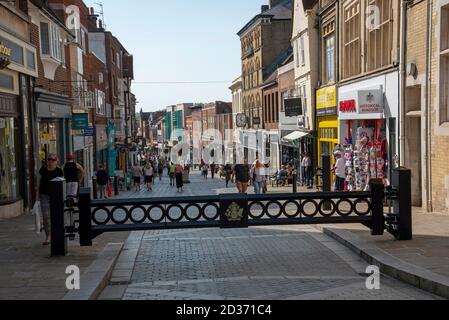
(371, 101)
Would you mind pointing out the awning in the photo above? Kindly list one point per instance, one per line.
(294, 136)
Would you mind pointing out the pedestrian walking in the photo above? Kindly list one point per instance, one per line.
(136, 171)
(258, 176)
(47, 173)
(242, 177)
(172, 173)
(74, 175)
(179, 178)
(228, 173)
(307, 170)
(205, 169)
(102, 182)
(340, 172)
(148, 174)
(212, 170)
(160, 170)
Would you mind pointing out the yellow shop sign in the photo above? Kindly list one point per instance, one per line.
(326, 102)
(326, 97)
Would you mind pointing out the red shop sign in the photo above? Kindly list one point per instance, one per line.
(348, 106)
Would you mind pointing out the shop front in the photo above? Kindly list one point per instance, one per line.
(54, 114)
(327, 121)
(367, 113)
(17, 69)
(9, 153)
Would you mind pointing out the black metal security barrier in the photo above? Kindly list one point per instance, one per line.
(230, 211)
(240, 211)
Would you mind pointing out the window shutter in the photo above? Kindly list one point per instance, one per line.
(45, 38)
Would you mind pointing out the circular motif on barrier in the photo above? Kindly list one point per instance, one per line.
(94, 216)
(134, 210)
(361, 201)
(297, 212)
(339, 209)
(169, 217)
(117, 221)
(303, 208)
(267, 209)
(151, 209)
(329, 213)
(254, 216)
(186, 214)
(215, 216)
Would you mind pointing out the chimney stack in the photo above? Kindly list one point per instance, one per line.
(92, 19)
(264, 8)
(100, 24)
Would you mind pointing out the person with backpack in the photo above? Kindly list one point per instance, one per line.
(74, 175)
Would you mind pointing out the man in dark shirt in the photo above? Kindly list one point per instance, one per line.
(241, 172)
(102, 181)
(48, 173)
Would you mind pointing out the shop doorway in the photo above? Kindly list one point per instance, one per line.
(413, 159)
(413, 146)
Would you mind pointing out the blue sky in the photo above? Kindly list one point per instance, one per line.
(180, 40)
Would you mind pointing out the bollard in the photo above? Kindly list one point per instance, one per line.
(401, 179)
(377, 203)
(85, 217)
(295, 182)
(116, 186)
(95, 187)
(57, 217)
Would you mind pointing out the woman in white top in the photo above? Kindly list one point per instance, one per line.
(259, 176)
(148, 173)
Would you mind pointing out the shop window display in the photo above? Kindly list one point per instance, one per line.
(9, 187)
(365, 152)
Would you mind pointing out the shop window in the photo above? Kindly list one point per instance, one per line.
(330, 58)
(379, 34)
(444, 65)
(9, 185)
(31, 62)
(302, 53)
(351, 28)
(6, 82)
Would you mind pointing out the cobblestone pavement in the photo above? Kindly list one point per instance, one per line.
(198, 186)
(295, 262)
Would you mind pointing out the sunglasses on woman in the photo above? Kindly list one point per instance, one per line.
(51, 159)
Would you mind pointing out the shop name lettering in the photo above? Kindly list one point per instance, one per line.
(5, 50)
(348, 106)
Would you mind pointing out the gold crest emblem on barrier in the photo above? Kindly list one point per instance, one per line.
(234, 212)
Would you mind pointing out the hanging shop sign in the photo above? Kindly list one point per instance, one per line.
(5, 51)
(256, 120)
(293, 107)
(80, 121)
(326, 101)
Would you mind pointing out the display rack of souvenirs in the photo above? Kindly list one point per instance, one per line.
(350, 172)
(361, 160)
